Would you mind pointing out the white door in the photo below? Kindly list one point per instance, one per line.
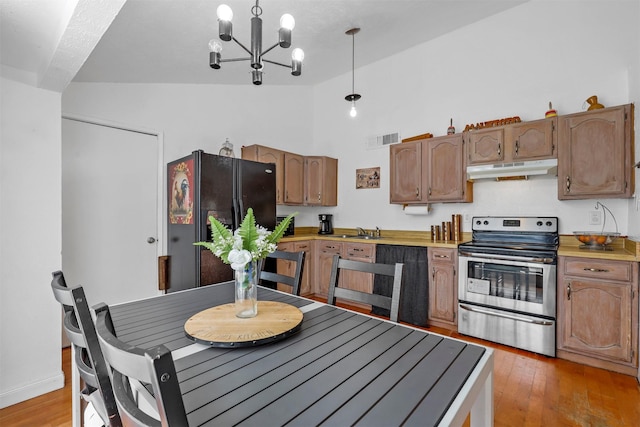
(109, 211)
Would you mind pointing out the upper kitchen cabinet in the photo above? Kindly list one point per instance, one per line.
(445, 177)
(428, 171)
(300, 180)
(260, 153)
(293, 179)
(485, 145)
(406, 173)
(522, 141)
(595, 154)
(321, 181)
(534, 140)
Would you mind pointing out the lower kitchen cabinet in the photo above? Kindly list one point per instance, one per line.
(288, 268)
(598, 313)
(307, 267)
(357, 280)
(443, 287)
(324, 250)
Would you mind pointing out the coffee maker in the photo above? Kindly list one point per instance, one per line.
(325, 224)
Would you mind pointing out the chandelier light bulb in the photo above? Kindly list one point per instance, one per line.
(224, 13)
(297, 54)
(215, 46)
(353, 112)
(287, 21)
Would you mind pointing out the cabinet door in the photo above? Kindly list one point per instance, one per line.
(594, 154)
(532, 140)
(293, 179)
(307, 267)
(406, 172)
(260, 153)
(284, 266)
(325, 250)
(321, 181)
(443, 286)
(353, 279)
(445, 169)
(597, 319)
(485, 146)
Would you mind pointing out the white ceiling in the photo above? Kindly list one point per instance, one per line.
(166, 41)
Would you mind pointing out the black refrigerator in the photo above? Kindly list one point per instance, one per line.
(200, 185)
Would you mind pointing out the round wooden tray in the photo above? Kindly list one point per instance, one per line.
(219, 327)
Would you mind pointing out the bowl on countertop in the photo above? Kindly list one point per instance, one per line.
(595, 239)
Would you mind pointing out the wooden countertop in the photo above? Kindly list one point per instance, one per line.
(623, 249)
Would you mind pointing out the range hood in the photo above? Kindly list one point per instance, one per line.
(505, 170)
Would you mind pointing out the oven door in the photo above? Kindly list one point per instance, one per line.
(520, 285)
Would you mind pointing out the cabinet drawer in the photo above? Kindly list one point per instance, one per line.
(441, 254)
(330, 247)
(355, 250)
(598, 269)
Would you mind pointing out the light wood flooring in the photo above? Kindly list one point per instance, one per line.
(529, 390)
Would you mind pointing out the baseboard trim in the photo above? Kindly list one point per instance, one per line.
(32, 390)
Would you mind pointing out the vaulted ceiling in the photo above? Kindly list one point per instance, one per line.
(166, 41)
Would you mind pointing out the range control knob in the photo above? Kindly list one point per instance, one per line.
(486, 222)
(539, 223)
(478, 222)
(549, 223)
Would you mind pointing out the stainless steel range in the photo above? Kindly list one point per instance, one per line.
(507, 282)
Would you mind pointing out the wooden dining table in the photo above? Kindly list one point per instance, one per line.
(340, 368)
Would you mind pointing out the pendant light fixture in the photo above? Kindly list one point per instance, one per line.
(353, 96)
(225, 27)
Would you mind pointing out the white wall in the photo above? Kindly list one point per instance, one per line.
(511, 64)
(30, 241)
(193, 117)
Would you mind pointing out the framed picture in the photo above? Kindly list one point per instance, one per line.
(180, 191)
(368, 178)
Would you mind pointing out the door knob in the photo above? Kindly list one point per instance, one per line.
(151, 240)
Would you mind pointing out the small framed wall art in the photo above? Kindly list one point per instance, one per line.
(368, 178)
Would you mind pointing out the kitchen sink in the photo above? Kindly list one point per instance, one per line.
(361, 237)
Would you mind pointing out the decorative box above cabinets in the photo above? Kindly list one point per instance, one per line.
(431, 170)
(595, 154)
(517, 142)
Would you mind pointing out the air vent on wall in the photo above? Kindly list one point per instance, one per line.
(375, 142)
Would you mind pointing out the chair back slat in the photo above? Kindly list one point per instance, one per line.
(391, 303)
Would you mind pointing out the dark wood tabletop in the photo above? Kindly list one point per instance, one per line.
(342, 368)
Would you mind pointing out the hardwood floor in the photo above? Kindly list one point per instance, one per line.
(530, 390)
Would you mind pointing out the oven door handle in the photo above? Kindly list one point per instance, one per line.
(507, 257)
(508, 316)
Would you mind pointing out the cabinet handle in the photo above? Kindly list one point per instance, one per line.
(429, 190)
(569, 291)
(439, 256)
(517, 146)
(417, 193)
(499, 150)
(596, 270)
(433, 274)
(568, 184)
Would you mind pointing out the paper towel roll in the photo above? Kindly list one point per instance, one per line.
(417, 210)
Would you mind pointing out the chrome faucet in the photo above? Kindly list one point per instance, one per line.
(361, 231)
(377, 232)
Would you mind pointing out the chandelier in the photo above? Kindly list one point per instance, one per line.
(287, 23)
(353, 96)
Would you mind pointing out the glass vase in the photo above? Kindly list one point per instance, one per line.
(246, 304)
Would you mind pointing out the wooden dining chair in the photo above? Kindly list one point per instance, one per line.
(293, 281)
(80, 329)
(391, 303)
(152, 367)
